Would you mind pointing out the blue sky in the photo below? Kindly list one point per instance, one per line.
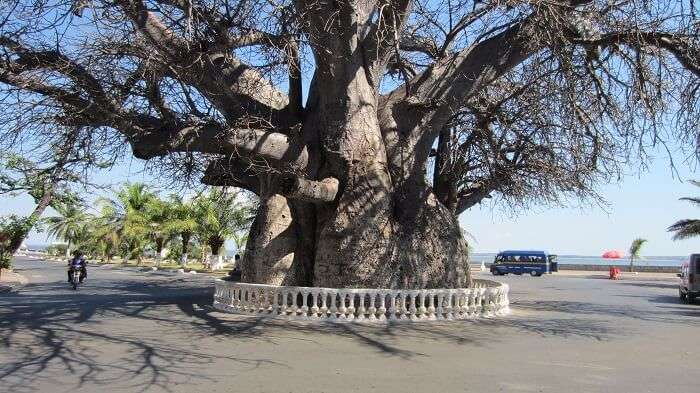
(642, 205)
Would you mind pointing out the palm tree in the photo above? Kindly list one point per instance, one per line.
(182, 222)
(107, 229)
(687, 228)
(126, 218)
(222, 215)
(157, 214)
(635, 249)
(240, 239)
(70, 225)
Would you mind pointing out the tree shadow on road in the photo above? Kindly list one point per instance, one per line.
(157, 330)
(607, 311)
(48, 332)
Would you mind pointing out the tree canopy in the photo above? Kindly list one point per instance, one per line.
(536, 98)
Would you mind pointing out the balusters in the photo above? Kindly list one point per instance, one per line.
(361, 306)
(412, 295)
(274, 304)
(295, 304)
(400, 305)
(486, 298)
(372, 310)
(392, 305)
(471, 303)
(335, 299)
(440, 309)
(314, 307)
(343, 309)
(351, 307)
(382, 307)
(431, 307)
(283, 305)
(478, 303)
(449, 297)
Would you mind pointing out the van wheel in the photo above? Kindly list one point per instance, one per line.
(534, 273)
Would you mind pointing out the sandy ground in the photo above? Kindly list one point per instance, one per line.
(128, 331)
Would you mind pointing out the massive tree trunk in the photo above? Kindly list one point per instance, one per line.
(369, 238)
(373, 233)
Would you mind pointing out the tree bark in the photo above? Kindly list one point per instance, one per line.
(185, 247)
(364, 231)
(275, 252)
(159, 249)
(33, 218)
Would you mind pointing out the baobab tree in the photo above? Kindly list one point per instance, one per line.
(337, 114)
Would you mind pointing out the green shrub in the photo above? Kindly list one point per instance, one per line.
(12, 231)
(57, 250)
(5, 262)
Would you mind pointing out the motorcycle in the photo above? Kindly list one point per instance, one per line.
(75, 276)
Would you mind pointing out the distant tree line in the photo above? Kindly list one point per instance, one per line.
(137, 220)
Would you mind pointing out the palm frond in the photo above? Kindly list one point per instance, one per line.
(636, 247)
(693, 200)
(685, 229)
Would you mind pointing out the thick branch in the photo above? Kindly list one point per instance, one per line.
(62, 96)
(475, 196)
(310, 190)
(686, 55)
(412, 115)
(234, 88)
(425, 45)
(232, 171)
(212, 138)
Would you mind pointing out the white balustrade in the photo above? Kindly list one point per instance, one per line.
(485, 298)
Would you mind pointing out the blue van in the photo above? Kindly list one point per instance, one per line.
(535, 263)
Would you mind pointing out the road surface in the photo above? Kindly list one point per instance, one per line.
(131, 331)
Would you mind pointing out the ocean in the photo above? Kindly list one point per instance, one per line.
(597, 260)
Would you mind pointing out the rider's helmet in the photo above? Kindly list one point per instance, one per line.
(77, 253)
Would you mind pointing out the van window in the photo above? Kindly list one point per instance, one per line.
(524, 258)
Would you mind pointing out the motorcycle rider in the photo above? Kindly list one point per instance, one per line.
(78, 261)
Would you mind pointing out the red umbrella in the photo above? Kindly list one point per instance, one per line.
(613, 254)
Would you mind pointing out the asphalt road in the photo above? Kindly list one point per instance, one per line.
(128, 331)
